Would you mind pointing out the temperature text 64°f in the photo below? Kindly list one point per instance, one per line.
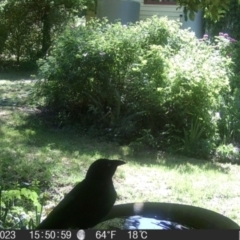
(105, 234)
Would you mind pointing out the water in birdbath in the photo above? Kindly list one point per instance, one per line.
(140, 222)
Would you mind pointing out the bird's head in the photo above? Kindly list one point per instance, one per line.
(103, 169)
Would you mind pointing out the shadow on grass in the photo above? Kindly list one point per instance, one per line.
(70, 140)
(31, 150)
(33, 147)
(17, 76)
(16, 89)
(172, 161)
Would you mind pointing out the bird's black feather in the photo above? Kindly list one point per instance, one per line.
(88, 202)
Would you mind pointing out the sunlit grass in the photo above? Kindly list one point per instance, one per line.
(59, 158)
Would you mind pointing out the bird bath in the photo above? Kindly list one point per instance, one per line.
(154, 215)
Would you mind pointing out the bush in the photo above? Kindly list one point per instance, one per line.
(234, 102)
(149, 82)
(227, 153)
(229, 114)
(19, 206)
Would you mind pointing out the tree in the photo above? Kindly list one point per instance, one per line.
(30, 26)
(230, 23)
(213, 9)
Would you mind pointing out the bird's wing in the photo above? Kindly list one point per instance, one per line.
(84, 205)
(72, 196)
(61, 211)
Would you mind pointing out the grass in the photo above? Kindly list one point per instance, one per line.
(58, 158)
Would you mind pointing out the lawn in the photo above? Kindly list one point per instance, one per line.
(57, 158)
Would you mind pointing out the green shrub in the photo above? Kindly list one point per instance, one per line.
(182, 87)
(149, 83)
(18, 208)
(234, 104)
(227, 153)
(229, 122)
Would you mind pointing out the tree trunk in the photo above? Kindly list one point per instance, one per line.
(46, 31)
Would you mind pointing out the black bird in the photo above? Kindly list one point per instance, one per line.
(88, 202)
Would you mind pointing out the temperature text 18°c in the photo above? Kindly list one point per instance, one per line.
(137, 235)
(105, 234)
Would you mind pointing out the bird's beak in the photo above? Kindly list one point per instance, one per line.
(119, 162)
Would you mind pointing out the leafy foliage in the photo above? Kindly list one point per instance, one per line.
(152, 89)
(228, 115)
(16, 206)
(230, 23)
(227, 153)
(29, 27)
(213, 9)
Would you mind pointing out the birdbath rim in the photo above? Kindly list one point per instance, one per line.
(196, 217)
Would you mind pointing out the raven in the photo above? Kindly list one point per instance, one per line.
(88, 202)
